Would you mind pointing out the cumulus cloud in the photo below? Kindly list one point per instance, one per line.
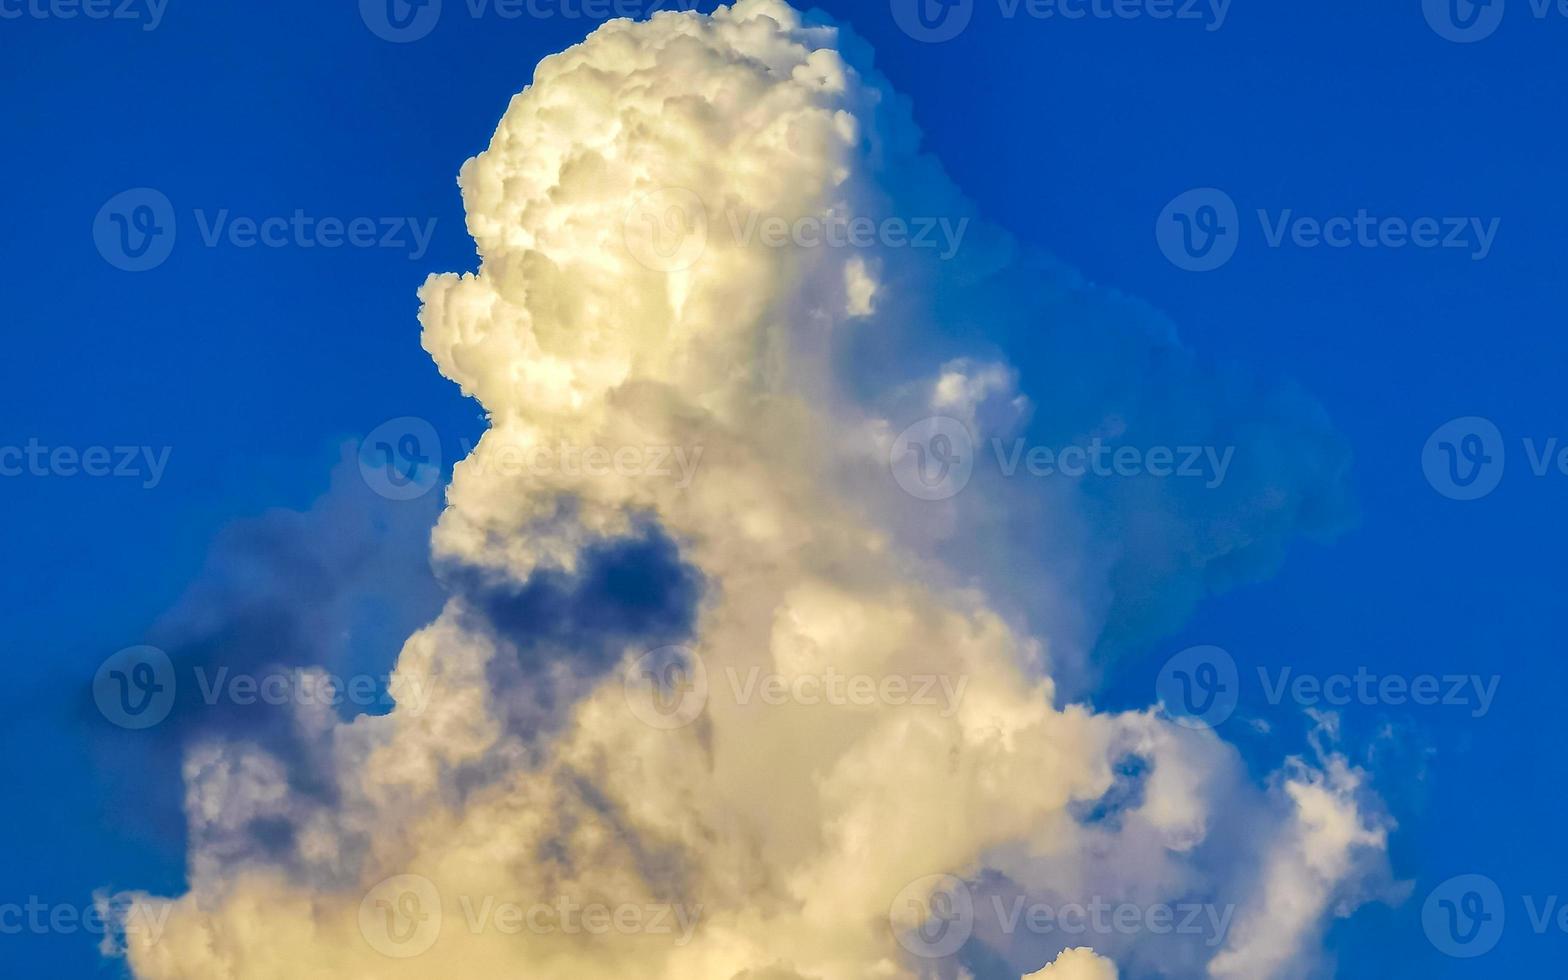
(1077, 964)
(560, 808)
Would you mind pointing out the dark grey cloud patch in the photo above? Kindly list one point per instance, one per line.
(561, 631)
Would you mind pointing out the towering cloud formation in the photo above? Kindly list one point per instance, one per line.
(858, 761)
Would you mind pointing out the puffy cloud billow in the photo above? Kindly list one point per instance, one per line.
(568, 805)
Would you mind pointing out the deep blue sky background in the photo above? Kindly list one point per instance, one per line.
(256, 365)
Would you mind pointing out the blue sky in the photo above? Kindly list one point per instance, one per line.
(257, 365)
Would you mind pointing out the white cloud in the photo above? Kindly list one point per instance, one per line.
(785, 831)
(1077, 964)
